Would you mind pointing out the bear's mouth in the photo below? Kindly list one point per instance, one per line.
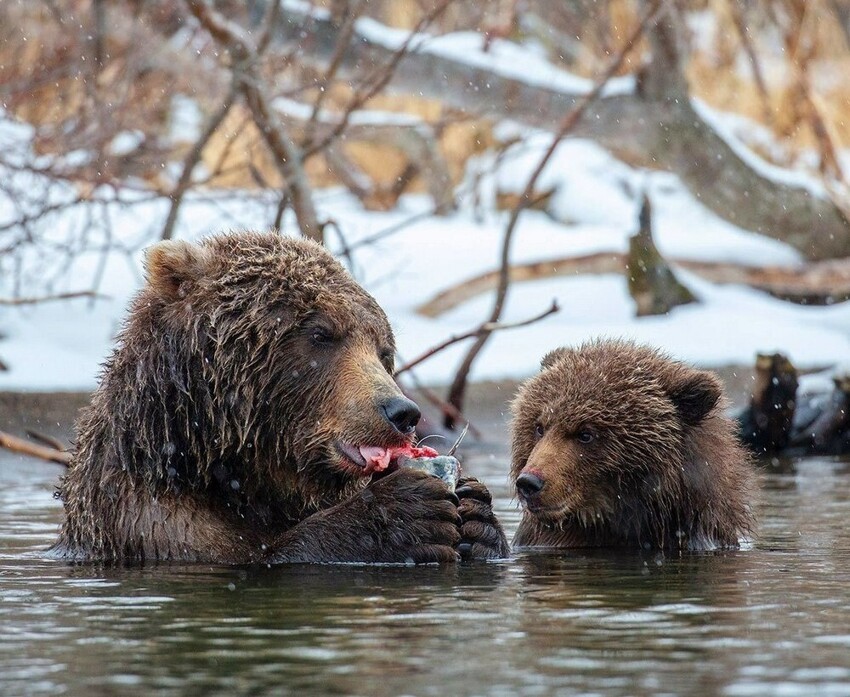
(370, 459)
(545, 513)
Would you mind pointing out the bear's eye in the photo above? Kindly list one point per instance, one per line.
(322, 336)
(585, 437)
(539, 430)
(387, 359)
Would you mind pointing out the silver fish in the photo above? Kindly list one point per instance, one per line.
(443, 467)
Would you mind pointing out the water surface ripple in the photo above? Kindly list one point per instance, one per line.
(770, 620)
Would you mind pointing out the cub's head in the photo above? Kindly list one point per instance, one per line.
(599, 434)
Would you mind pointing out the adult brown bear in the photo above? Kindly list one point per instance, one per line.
(616, 445)
(240, 417)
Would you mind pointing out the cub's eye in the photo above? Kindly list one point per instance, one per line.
(321, 336)
(387, 359)
(585, 437)
(539, 430)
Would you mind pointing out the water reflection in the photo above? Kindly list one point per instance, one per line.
(772, 619)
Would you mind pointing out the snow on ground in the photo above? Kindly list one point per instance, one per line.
(59, 346)
(504, 58)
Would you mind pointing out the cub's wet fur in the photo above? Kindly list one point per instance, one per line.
(616, 445)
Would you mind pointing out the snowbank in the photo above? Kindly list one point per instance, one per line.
(59, 346)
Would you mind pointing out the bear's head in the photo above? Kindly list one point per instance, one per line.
(600, 435)
(254, 364)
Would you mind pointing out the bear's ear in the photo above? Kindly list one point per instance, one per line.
(173, 266)
(694, 393)
(551, 358)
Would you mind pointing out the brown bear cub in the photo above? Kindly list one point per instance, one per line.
(616, 445)
(239, 417)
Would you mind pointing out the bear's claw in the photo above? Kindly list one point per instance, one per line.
(481, 533)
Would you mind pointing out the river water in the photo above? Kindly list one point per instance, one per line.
(770, 620)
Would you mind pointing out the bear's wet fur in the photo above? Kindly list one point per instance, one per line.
(227, 421)
(616, 445)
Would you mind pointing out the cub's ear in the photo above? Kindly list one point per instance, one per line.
(552, 357)
(173, 266)
(694, 393)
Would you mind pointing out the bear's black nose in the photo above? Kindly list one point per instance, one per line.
(401, 413)
(528, 484)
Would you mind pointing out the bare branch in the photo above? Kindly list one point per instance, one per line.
(380, 80)
(755, 66)
(489, 327)
(446, 409)
(191, 161)
(392, 229)
(234, 37)
(288, 157)
(269, 23)
(458, 386)
(346, 31)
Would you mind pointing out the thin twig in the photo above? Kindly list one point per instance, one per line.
(343, 41)
(269, 22)
(346, 250)
(45, 210)
(488, 327)
(191, 161)
(288, 157)
(380, 81)
(458, 386)
(282, 204)
(239, 41)
(392, 229)
(52, 298)
(746, 42)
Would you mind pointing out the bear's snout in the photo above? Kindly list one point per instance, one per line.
(401, 412)
(529, 484)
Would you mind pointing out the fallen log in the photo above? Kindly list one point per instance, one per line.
(44, 439)
(24, 447)
(818, 283)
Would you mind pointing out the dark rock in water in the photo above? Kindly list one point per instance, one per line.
(822, 426)
(766, 422)
(793, 416)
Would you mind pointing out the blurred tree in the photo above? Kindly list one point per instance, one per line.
(275, 90)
